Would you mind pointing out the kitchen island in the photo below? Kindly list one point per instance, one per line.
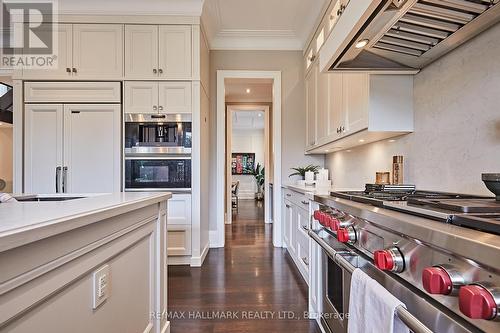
(92, 264)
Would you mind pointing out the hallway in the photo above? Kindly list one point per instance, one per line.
(256, 282)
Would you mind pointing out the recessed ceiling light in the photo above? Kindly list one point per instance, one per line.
(362, 43)
(326, 150)
(348, 150)
(392, 140)
(260, 114)
(248, 90)
(361, 140)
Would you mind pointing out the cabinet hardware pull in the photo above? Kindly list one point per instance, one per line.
(58, 179)
(158, 116)
(154, 71)
(160, 71)
(74, 70)
(306, 262)
(160, 108)
(68, 70)
(75, 111)
(288, 195)
(155, 107)
(306, 229)
(305, 202)
(64, 179)
(287, 206)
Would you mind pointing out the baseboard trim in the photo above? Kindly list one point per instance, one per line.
(198, 261)
(179, 260)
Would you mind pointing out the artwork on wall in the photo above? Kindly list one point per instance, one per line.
(242, 163)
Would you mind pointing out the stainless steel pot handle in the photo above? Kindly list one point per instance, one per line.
(406, 317)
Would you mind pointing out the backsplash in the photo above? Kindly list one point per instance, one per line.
(457, 126)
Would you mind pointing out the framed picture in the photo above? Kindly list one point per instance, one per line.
(242, 163)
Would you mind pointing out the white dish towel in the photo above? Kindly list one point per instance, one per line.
(372, 308)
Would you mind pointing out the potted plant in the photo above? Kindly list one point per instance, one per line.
(301, 171)
(258, 173)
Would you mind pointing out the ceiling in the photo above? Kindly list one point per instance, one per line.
(248, 120)
(261, 90)
(260, 24)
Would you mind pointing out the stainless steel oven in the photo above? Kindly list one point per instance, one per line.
(157, 133)
(336, 284)
(156, 173)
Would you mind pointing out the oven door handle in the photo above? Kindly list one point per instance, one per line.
(149, 157)
(406, 317)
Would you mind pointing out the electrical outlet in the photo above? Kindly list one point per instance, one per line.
(101, 286)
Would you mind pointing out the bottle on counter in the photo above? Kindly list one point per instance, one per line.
(397, 170)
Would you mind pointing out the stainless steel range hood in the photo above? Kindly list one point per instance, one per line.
(403, 36)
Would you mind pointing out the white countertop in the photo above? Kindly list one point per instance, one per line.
(25, 222)
(314, 190)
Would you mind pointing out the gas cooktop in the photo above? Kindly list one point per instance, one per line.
(471, 211)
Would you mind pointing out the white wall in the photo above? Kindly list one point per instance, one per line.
(248, 141)
(6, 157)
(457, 126)
(293, 117)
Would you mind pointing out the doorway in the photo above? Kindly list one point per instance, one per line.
(271, 112)
(248, 172)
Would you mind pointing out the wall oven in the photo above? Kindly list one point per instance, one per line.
(150, 173)
(157, 151)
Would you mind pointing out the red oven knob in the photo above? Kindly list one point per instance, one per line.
(436, 280)
(389, 260)
(477, 302)
(334, 223)
(317, 214)
(346, 235)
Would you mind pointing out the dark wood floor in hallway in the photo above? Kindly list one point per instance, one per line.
(257, 283)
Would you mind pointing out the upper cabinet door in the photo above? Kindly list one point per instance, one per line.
(175, 97)
(141, 51)
(64, 54)
(141, 97)
(98, 51)
(92, 148)
(175, 57)
(311, 106)
(322, 108)
(355, 91)
(336, 115)
(43, 147)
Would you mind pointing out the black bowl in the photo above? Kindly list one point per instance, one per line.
(492, 182)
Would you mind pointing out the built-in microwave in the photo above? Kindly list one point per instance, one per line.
(157, 134)
(156, 173)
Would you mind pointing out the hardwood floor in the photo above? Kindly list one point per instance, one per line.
(255, 286)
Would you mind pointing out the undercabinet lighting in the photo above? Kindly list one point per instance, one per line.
(362, 43)
(248, 90)
(361, 140)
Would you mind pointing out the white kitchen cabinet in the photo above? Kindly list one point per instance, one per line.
(92, 148)
(72, 92)
(311, 106)
(175, 97)
(179, 209)
(158, 52)
(141, 51)
(43, 147)
(178, 240)
(87, 52)
(158, 97)
(74, 147)
(64, 53)
(358, 108)
(98, 51)
(175, 52)
(287, 222)
(141, 97)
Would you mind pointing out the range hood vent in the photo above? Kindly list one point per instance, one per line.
(405, 36)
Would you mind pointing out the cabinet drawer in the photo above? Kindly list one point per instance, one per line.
(179, 209)
(297, 198)
(178, 240)
(72, 92)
